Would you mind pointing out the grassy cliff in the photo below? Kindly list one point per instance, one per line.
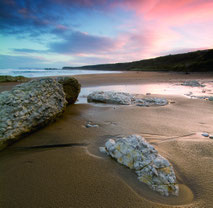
(198, 61)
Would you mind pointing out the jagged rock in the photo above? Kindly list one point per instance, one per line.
(122, 98)
(110, 97)
(28, 107)
(71, 88)
(151, 168)
(192, 83)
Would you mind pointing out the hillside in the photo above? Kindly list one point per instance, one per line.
(197, 61)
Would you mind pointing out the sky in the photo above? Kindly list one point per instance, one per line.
(57, 33)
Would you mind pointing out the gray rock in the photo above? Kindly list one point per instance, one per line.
(151, 168)
(91, 125)
(211, 98)
(192, 83)
(28, 107)
(112, 97)
(205, 134)
(151, 102)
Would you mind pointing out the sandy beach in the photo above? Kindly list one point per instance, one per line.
(79, 175)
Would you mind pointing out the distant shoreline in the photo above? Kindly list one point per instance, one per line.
(198, 61)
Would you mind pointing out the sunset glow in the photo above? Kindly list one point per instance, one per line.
(55, 33)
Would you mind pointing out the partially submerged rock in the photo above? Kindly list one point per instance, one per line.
(151, 168)
(121, 98)
(192, 83)
(7, 78)
(28, 107)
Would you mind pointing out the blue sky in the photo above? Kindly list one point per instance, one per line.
(57, 33)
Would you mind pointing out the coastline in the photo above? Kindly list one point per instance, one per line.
(82, 177)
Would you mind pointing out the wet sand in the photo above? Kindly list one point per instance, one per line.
(81, 176)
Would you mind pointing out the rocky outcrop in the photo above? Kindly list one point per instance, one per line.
(7, 78)
(150, 167)
(28, 107)
(71, 88)
(121, 98)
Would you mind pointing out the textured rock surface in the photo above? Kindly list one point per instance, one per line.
(151, 101)
(29, 106)
(151, 168)
(122, 98)
(192, 83)
(71, 88)
(111, 97)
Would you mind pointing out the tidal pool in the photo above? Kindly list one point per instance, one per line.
(160, 89)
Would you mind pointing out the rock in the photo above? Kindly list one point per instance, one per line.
(122, 98)
(28, 107)
(205, 134)
(102, 150)
(210, 136)
(7, 78)
(71, 88)
(110, 97)
(151, 168)
(211, 98)
(91, 125)
(151, 101)
(192, 83)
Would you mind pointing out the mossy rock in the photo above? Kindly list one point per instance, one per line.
(7, 78)
(71, 88)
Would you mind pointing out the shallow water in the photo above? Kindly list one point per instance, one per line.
(161, 89)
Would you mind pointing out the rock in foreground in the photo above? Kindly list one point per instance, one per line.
(122, 98)
(28, 107)
(151, 168)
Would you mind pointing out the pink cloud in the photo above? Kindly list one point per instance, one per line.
(168, 25)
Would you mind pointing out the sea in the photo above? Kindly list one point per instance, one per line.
(35, 72)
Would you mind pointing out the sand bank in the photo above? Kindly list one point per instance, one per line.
(81, 176)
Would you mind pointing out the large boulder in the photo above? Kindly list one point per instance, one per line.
(30, 106)
(150, 167)
(71, 88)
